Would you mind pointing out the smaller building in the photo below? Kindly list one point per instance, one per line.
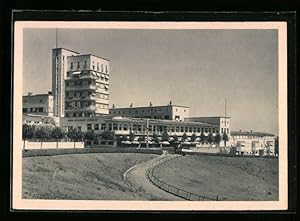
(164, 112)
(253, 143)
(38, 104)
(35, 119)
(223, 123)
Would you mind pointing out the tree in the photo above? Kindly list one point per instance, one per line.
(155, 138)
(42, 132)
(203, 138)
(57, 133)
(210, 138)
(165, 136)
(225, 138)
(217, 139)
(75, 135)
(142, 138)
(90, 136)
(184, 137)
(131, 136)
(108, 135)
(27, 132)
(193, 137)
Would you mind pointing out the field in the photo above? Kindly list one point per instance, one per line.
(232, 178)
(97, 176)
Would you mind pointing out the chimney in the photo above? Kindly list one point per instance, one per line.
(150, 104)
(29, 93)
(50, 92)
(131, 105)
(240, 130)
(251, 131)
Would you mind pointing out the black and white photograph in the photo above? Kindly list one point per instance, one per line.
(150, 115)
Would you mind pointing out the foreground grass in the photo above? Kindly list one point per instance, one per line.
(80, 176)
(232, 178)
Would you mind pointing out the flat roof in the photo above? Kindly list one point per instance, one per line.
(173, 105)
(66, 50)
(129, 119)
(93, 55)
(251, 133)
(35, 95)
(207, 117)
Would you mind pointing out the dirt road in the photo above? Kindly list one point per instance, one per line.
(137, 180)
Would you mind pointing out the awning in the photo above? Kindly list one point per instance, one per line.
(76, 72)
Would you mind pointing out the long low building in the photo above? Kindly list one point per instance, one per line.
(123, 126)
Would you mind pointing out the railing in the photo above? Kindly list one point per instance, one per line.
(170, 188)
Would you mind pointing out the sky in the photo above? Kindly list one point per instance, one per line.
(195, 68)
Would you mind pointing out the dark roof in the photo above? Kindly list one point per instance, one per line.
(251, 133)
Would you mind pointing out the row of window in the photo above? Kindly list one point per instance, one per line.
(225, 130)
(93, 67)
(34, 110)
(140, 111)
(84, 94)
(152, 128)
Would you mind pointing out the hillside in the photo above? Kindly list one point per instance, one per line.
(81, 176)
(232, 178)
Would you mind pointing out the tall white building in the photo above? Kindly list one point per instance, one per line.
(80, 84)
(59, 75)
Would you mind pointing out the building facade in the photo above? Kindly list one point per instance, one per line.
(86, 86)
(124, 125)
(38, 104)
(223, 123)
(253, 143)
(167, 112)
(59, 75)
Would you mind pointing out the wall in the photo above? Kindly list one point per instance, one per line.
(58, 84)
(51, 145)
(181, 112)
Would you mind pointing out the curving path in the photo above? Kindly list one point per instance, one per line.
(135, 177)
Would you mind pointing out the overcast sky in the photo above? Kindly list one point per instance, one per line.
(195, 68)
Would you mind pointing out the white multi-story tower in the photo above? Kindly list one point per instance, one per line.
(59, 74)
(87, 86)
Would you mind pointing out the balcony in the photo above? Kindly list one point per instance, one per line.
(89, 108)
(80, 87)
(90, 97)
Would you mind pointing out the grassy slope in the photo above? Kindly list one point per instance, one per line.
(233, 178)
(80, 176)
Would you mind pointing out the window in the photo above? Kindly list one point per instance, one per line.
(89, 126)
(24, 110)
(102, 68)
(177, 129)
(85, 65)
(78, 65)
(67, 83)
(190, 129)
(109, 126)
(206, 130)
(125, 127)
(106, 69)
(103, 126)
(115, 126)
(41, 101)
(198, 130)
(40, 109)
(222, 130)
(96, 126)
(181, 129)
(97, 66)
(71, 66)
